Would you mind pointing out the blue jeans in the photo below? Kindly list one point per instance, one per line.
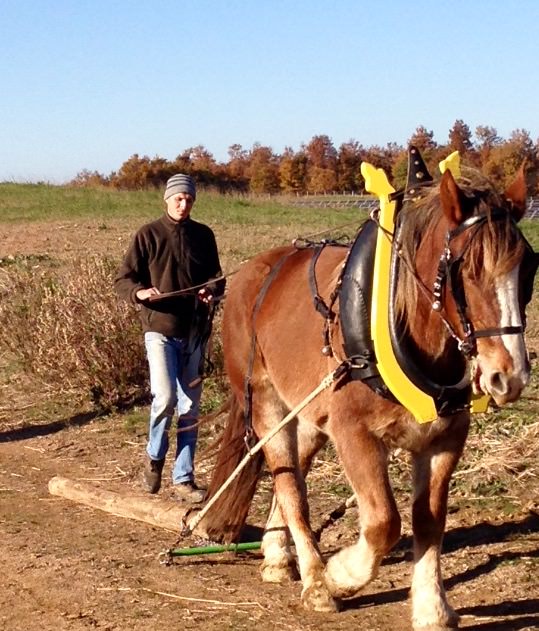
(172, 368)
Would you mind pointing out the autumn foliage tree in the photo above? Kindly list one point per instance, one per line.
(460, 138)
(505, 159)
(317, 167)
(263, 170)
(293, 172)
(349, 158)
(321, 165)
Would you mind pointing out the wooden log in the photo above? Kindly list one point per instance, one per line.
(151, 510)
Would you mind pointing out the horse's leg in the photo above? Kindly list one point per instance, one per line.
(364, 459)
(278, 559)
(278, 564)
(432, 472)
(283, 461)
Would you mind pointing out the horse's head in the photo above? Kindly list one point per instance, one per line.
(485, 279)
(467, 278)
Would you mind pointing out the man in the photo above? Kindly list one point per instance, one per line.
(172, 254)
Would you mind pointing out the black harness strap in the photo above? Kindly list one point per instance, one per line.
(355, 299)
(325, 310)
(504, 330)
(319, 303)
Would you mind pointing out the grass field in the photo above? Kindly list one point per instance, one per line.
(30, 203)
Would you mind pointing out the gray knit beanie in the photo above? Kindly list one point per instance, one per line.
(180, 183)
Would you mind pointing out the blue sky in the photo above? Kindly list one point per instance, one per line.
(86, 84)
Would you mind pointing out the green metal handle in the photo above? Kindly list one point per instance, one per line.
(230, 547)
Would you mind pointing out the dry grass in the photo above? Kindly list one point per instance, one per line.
(70, 331)
(505, 453)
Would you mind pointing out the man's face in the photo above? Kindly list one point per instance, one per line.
(179, 206)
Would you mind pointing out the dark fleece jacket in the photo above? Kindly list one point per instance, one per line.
(170, 256)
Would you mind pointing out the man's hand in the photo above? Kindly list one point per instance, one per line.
(144, 294)
(205, 296)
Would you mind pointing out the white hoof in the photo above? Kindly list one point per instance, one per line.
(344, 577)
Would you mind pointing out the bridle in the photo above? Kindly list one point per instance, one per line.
(450, 275)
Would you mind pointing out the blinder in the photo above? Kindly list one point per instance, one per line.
(528, 269)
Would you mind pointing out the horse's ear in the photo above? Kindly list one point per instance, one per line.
(453, 201)
(516, 193)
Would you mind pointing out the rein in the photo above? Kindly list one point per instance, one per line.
(355, 302)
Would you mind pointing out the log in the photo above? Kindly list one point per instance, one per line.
(151, 510)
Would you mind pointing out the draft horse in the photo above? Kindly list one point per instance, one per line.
(273, 335)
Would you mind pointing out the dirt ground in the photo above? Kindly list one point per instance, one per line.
(65, 566)
(68, 566)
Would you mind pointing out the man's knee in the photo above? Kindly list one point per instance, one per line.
(165, 402)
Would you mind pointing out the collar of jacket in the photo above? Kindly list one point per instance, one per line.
(172, 225)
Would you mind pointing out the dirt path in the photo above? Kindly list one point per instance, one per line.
(65, 566)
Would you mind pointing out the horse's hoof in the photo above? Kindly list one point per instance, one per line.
(316, 597)
(278, 573)
(346, 574)
(449, 622)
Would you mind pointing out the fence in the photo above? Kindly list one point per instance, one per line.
(533, 208)
(367, 202)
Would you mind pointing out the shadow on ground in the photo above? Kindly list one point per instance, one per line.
(33, 431)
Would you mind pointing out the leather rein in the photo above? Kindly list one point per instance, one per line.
(449, 275)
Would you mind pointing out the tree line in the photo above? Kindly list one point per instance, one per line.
(320, 168)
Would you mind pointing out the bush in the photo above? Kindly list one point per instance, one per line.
(72, 332)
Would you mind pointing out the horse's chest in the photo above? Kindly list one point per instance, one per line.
(404, 432)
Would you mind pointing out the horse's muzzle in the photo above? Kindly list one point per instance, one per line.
(503, 387)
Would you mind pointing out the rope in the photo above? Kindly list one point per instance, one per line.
(325, 383)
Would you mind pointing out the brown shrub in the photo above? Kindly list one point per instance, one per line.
(72, 332)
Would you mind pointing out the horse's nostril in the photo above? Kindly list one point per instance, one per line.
(498, 383)
(504, 388)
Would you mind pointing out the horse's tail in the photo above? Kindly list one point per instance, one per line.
(227, 516)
